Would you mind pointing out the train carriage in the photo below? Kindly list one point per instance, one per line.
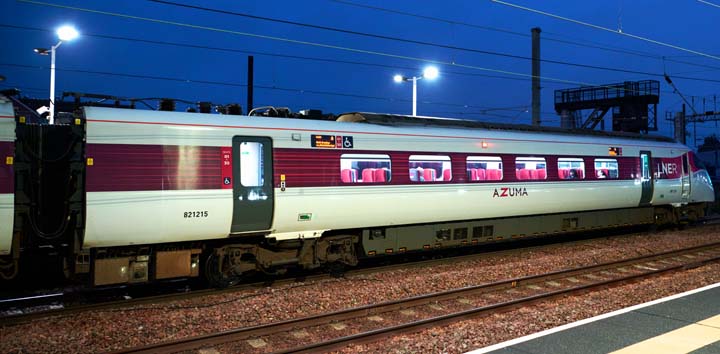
(161, 195)
(172, 177)
(7, 180)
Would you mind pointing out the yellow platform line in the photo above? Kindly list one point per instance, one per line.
(681, 340)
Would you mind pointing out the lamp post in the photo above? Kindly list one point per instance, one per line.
(64, 33)
(429, 73)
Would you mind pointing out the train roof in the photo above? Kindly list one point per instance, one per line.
(395, 120)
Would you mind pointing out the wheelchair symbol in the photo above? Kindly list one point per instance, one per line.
(226, 181)
(348, 142)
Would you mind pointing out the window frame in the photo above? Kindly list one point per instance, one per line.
(531, 159)
(609, 175)
(474, 159)
(353, 158)
(572, 160)
(444, 160)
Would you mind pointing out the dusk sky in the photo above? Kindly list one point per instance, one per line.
(341, 55)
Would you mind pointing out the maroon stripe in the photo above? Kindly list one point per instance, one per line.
(125, 167)
(318, 168)
(7, 174)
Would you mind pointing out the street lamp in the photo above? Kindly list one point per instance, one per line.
(429, 73)
(64, 33)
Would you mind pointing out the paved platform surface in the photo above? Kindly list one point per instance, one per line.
(683, 323)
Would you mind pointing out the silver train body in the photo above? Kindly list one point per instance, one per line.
(149, 195)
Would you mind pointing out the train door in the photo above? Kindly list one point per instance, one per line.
(646, 177)
(252, 184)
(685, 178)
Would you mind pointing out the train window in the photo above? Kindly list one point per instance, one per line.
(530, 168)
(477, 231)
(571, 168)
(377, 234)
(484, 168)
(430, 168)
(251, 164)
(460, 233)
(442, 235)
(365, 168)
(489, 230)
(606, 169)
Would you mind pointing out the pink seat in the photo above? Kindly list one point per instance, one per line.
(368, 175)
(447, 175)
(522, 174)
(429, 175)
(472, 174)
(494, 174)
(348, 175)
(563, 173)
(481, 175)
(379, 175)
(542, 174)
(533, 174)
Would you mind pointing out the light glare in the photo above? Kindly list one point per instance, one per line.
(398, 78)
(67, 33)
(430, 72)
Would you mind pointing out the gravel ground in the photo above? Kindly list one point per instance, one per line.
(473, 334)
(111, 330)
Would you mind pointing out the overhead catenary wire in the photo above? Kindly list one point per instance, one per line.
(263, 87)
(308, 43)
(432, 18)
(709, 3)
(412, 41)
(545, 37)
(319, 44)
(301, 42)
(23, 88)
(270, 54)
(330, 60)
(620, 32)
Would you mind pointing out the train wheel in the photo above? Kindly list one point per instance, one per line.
(336, 269)
(67, 268)
(9, 268)
(217, 277)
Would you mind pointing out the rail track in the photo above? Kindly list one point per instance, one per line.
(377, 321)
(30, 308)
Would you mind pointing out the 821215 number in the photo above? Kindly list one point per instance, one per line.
(195, 214)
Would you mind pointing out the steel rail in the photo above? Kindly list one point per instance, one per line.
(382, 333)
(358, 312)
(15, 319)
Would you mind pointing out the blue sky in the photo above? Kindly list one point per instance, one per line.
(205, 53)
